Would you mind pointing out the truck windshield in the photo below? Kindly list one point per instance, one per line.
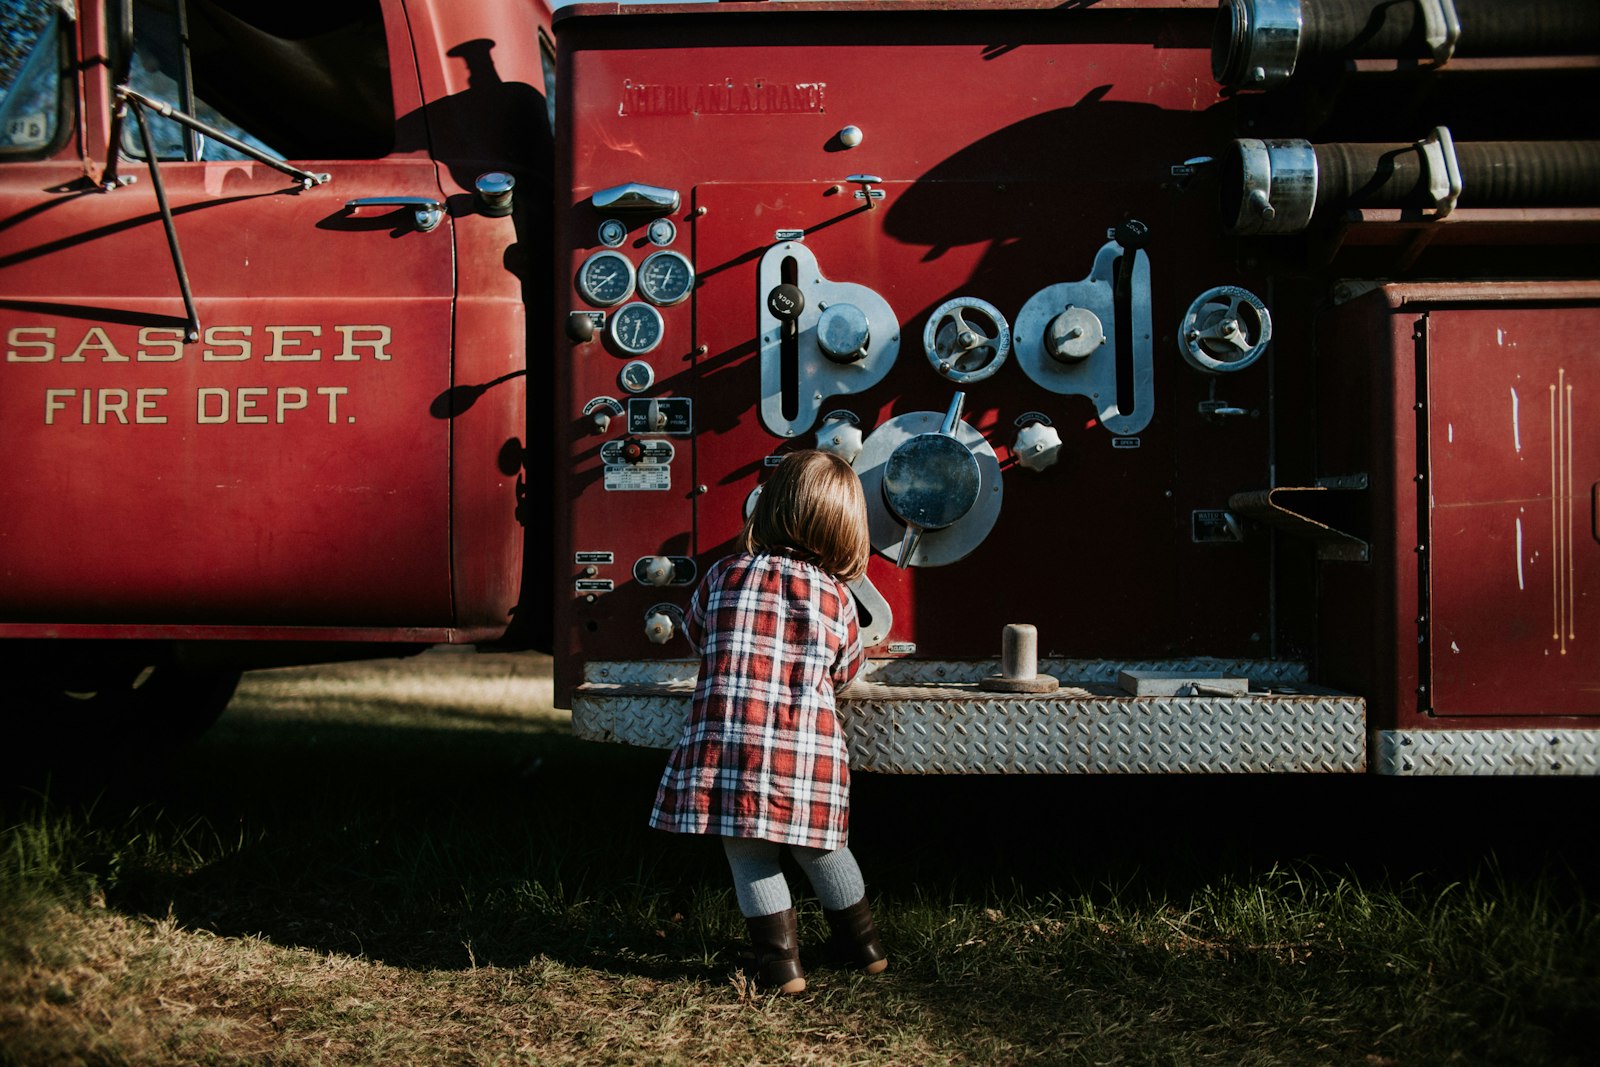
(30, 75)
(299, 81)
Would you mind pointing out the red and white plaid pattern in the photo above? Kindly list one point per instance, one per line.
(762, 755)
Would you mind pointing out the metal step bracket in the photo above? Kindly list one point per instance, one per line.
(1295, 509)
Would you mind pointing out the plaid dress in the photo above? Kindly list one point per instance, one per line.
(762, 754)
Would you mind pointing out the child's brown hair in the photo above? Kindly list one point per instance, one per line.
(813, 503)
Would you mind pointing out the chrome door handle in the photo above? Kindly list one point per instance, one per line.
(426, 212)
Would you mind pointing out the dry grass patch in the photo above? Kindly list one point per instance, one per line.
(90, 986)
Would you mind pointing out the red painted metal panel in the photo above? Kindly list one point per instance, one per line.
(1514, 456)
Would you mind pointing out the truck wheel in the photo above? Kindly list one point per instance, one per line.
(119, 708)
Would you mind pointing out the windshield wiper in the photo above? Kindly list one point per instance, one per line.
(129, 99)
(132, 96)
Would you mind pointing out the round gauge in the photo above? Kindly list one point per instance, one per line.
(662, 232)
(613, 233)
(665, 278)
(636, 328)
(636, 376)
(606, 278)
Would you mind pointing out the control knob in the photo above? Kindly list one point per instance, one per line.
(786, 301)
(843, 333)
(1226, 329)
(662, 622)
(1038, 446)
(967, 339)
(658, 570)
(931, 481)
(1074, 335)
(840, 434)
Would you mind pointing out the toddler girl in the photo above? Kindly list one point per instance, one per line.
(762, 761)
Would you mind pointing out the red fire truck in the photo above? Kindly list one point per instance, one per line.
(266, 275)
(1216, 372)
(1222, 377)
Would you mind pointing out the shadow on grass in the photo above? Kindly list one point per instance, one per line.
(430, 838)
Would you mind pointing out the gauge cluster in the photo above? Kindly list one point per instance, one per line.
(610, 278)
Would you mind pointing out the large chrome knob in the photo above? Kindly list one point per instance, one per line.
(843, 333)
(1074, 335)
(931, 481)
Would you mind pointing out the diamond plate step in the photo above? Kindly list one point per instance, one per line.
(960, 729)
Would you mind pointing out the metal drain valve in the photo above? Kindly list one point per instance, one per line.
(1019, 663)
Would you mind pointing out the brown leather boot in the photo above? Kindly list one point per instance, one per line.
(776, 940)
(855, 939)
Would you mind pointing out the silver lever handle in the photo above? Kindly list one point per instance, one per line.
(426, 212)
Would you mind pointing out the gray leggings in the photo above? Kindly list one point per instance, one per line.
(758, 876)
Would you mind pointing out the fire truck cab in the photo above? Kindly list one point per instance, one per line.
(1216, 373)
(266, 273)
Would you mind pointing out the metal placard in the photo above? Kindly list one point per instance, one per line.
(638, 479)
(670, 415)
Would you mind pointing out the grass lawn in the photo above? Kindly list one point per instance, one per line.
(411, 862)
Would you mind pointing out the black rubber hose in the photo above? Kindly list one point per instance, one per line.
(1351, 29)
(1333, 31)
(1509, 174)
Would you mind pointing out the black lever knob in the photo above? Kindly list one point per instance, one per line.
(1132, 234)
(786, 302)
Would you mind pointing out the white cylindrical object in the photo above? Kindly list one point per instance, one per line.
(1019, 652)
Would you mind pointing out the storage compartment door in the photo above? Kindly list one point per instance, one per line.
(1514, 458)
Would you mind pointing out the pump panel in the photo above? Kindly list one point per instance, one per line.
(1075, 310)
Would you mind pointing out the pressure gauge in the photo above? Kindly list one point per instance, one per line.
(665, 278)
(636, 328)
(606, 278)
(662, 232)
(636, 376)
(613, 233)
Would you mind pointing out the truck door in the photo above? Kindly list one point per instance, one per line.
(277, 459)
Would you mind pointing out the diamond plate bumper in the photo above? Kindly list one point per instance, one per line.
(1487, 752)
(956, 728)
